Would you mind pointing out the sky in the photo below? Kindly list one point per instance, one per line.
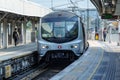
(63, 3)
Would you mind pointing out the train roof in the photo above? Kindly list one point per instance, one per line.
(60, 15)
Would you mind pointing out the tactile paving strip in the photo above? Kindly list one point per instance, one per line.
(109, 68)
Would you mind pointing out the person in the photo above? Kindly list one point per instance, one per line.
(104, 33)
(15, 36)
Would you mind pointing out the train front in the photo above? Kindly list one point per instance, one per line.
(59, 36)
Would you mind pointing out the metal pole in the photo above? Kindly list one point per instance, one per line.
(119, 40)
(109, 34)
(52, 4)
(87, 19)
(118, 33)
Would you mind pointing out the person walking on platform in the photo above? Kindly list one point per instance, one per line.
(104, 34)
(15, 36)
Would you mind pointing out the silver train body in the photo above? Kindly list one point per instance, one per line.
(61, 35)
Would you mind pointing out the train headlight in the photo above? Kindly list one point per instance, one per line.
(44, 46)
(74, 46)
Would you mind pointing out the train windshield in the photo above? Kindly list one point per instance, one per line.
(59, 31)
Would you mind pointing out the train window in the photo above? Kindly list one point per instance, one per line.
(59, 24)
(72, 29)
(46, 29)
(69, 25)
(59, 29)
(59, 32)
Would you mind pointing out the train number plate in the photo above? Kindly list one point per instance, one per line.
(7, 71)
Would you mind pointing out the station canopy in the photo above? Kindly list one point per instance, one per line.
(108, 9)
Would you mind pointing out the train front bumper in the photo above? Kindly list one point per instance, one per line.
(73, 47)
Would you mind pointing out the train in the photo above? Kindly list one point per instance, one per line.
(61, 35)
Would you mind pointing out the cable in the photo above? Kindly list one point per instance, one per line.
(68, 3)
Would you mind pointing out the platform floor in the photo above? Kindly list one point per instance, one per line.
(16, 51)
(100, 62)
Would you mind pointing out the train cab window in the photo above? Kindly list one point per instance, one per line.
(59, 29)
(46, 29)
(72, 29)
(59, 32)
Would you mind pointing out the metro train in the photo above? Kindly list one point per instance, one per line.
(61, 35)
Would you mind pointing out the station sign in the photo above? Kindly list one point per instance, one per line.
(108, 16)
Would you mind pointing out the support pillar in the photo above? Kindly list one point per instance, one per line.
(0, 37)
(110, 34)
(39, 29)
(21, 26)
(24, 31)
(118, 33)
(105, 26)
(5, 34)
(33, 25)
(33, 33)
(13, 27)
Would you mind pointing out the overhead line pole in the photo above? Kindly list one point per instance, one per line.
(52, 4)
(87, 19)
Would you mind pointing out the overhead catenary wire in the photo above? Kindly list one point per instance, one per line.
(67, 3)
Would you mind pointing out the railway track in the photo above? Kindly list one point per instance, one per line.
(51, 70)
(42, 71)
(30, 73)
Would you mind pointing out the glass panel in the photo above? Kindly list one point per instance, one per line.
(47, 30)
(59, 31)
(72, 29)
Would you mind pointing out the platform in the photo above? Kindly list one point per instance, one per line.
(17, 58)
(17, 51)
(100, 62)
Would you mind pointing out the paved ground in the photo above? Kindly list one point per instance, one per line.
(109, 68)
(100, 62)
(12, 52)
